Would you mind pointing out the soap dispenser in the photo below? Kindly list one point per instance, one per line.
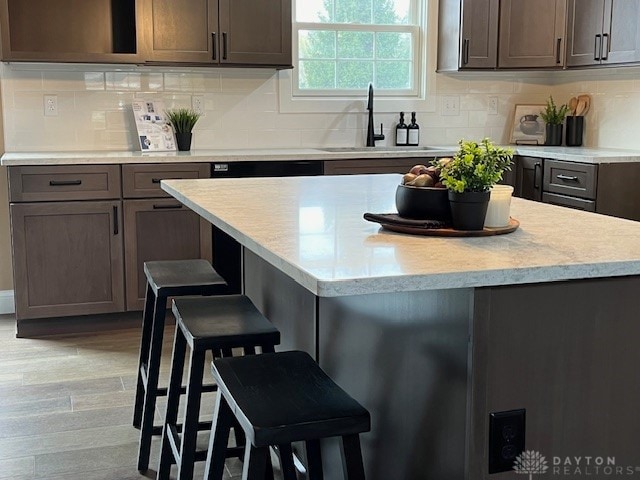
(401, 131)
(413, 132)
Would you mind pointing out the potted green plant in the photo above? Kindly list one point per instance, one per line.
(469, 176)
(183, 120)
(553, 117)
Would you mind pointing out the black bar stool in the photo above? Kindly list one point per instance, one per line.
(218, 324)
(171, 278)
(280, 398)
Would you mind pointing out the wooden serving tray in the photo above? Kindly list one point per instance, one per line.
(431, 228)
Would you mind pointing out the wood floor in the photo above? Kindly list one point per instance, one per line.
(66, 405)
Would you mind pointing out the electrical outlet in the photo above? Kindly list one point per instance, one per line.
(197, 104)
(450, 105)
(50, 105)
(492, 106)
(506, 439)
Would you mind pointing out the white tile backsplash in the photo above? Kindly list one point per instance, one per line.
(242, 107)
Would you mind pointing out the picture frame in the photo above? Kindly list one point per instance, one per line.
(527, 127)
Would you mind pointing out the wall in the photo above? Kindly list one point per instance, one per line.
(6, 280)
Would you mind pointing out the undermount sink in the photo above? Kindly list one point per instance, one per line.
(382, 149)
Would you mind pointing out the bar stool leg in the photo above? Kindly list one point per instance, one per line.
(286, 461)
(173, 401)
(222, 418)
(352, 457)
(255, 462)
(146, 430)
(190, 426)
(314, 460)
(145, 341)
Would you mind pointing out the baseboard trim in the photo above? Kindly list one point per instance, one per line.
(7, 303)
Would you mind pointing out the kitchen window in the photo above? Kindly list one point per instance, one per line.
(341, 46)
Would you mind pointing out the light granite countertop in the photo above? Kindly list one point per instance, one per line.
(312, 229)
(572, 154)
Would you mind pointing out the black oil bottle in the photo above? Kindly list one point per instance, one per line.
(413, 132)
(401, 131)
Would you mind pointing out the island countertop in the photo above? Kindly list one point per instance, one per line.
(312, 229)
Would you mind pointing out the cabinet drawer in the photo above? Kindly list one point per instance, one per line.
(143, 181)
(574, 179)
(571, 202)
(64, 182)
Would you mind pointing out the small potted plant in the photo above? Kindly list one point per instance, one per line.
(469, 176)
(183, 120)
(553, 117)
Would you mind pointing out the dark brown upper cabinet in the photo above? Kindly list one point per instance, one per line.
(489, 34)
(102, 31)
(219, 32)
(532, 33)
(603, 32)
(467, 34)
(479, 33)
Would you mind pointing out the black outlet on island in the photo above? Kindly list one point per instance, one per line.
(506, 439)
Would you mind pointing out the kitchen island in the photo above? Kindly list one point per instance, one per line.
(434, 334)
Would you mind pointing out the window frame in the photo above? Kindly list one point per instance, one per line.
(415, 29)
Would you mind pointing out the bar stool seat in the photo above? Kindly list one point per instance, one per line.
(280, 398)
(173, 278)
(217, 324)
(167, 278)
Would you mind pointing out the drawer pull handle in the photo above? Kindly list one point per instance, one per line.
(224, 45)
(155, 180)
(60, 183)
(536, 176)
(167, 207)
(115, 220)
(567, 177)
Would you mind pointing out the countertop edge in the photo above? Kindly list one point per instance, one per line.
(570, 154)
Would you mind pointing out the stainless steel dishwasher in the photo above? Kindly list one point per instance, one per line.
(227, 254)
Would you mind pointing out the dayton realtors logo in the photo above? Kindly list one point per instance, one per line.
(533, 463)
(530, 463)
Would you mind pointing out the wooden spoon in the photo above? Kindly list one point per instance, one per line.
(573, 103)
(580, 108)
(587, 101)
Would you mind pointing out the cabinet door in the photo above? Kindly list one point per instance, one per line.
(181, 30)
(529, 178)
(69, 30)
(621, 35)
(255, 32)
(160, 229)
(67, 258)
(532, 33)
(584, 32)
(479, 40)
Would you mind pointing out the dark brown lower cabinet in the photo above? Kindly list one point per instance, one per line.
(528, 178)
(68, 258)
(159, 229)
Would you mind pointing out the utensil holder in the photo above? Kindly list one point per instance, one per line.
(575, 130)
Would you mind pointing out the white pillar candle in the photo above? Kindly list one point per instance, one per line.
(499, 206)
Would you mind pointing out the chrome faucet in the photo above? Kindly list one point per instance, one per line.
(372, 137)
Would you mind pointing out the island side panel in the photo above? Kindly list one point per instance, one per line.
(568, 353)
(404, 356)
(290, 307)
